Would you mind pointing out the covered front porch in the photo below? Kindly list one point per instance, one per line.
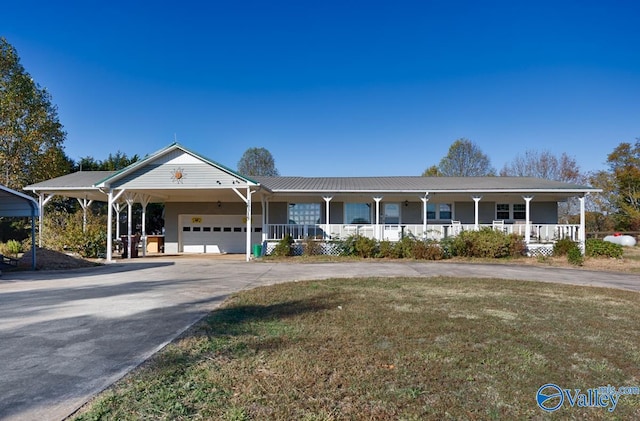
(390, 216)
(538, 233)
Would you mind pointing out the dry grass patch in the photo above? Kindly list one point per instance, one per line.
(400, 348)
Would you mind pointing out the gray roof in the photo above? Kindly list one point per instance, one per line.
(86, 180)
(416, 184)
(14, 203)
(77, 180)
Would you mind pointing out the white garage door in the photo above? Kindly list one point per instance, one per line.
(215, 234)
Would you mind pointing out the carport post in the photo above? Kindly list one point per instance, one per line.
(249, 193)
(111, 200)
(33, 237)
(42, 200)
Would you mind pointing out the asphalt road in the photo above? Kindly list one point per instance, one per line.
(67, 335)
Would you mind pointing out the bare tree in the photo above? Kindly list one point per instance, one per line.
(544, 165)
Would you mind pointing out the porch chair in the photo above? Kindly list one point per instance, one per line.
(498, 225)
(456, 227)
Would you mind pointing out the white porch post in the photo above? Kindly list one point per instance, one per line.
(109, 227)
(129, 199)
(378, 233)
(247, 201)
(144, 201)
(582, 235)
(111, 202)
(249, 193)
(84, 204)
(118, 208)
(264, 218)
(476, 201)
(527, 225)
(43, 199)
(327, 221)
(425, 201)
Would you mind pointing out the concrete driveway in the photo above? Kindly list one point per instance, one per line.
(67, 335)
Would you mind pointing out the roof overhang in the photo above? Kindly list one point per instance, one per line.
(16, 204)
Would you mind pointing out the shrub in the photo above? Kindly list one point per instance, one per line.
(563, 246)
(347, 246)
(386, 249)
(284, 247)
(366, 247)
(64, 232)
(427, 250)
(574, 256)
(311, 247)
(447, 246)
(486, 243)
(517, 246)
(12, 247)
(599, 248)
(404, 248)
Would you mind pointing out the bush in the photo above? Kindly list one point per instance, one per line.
(486, 243)
(12, 247)
(366, 247)
(284, 247)
(447, 246)
(600, 248)
(427, 250)
(64, 232)
(575, 257)
(404, 248)
(311, 247)
(386, 249)
(563, 246)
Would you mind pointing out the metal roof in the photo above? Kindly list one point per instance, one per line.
(81, 180)
(13, 203)
(417, 184)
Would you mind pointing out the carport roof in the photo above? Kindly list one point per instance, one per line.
(13, 203)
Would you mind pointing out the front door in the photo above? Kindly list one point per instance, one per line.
(391, 221)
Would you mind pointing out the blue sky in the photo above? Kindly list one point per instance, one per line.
(337, 88)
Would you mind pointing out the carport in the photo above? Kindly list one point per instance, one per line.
(16, 204)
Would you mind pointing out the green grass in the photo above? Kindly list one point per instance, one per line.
(409, 349)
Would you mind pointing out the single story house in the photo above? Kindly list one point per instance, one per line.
(210, 208)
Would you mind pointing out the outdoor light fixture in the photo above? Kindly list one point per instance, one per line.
(406, 203)
(219, 203)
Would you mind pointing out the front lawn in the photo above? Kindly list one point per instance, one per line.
(400, 348)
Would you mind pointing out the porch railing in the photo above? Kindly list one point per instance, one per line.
(541, 233)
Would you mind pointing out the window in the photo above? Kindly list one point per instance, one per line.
(439, 211)
(357, 213)
(502, 211)
(304, 213)
(445, 211)
(519, 211)
(391, 213)
(431, 211)
(511, 211)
